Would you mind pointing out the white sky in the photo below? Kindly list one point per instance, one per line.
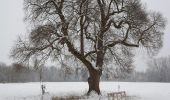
(11, 25)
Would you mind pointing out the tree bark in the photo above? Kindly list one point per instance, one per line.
(93, 82)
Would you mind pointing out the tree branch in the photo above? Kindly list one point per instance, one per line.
(89, 53)
(123, 43)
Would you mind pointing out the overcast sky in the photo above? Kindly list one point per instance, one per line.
(11, 25)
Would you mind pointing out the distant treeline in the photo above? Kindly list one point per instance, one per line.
(158, 71)
(20, 73)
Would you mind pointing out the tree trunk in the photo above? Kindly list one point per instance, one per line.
(93, 82)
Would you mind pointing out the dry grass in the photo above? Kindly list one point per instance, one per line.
(66, 98)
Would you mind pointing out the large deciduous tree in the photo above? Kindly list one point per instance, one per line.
(97, 33)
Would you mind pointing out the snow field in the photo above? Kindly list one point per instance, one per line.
(32, 91)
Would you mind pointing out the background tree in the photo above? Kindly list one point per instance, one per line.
(159, 70)
(96, 33)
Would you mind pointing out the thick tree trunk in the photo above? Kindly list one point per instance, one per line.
(93, 82)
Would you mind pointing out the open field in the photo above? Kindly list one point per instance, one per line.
(32, 91)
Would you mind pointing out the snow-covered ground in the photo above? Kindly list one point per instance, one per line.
(32, 91)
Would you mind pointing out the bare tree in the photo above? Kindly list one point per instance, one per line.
(97, 33)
